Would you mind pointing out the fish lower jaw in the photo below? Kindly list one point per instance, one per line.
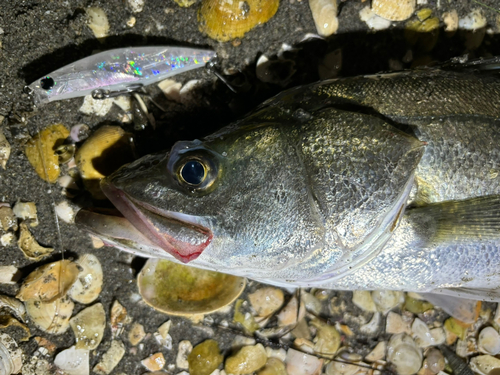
(177, 234)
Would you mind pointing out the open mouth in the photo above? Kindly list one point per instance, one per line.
(180, 235)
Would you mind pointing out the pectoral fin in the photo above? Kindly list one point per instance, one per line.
(471, 219)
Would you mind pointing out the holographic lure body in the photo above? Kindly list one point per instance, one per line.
(117, 71)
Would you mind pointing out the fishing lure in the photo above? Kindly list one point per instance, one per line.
(118, 71)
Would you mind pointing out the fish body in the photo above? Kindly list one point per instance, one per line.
(376, 182)
(117, 70)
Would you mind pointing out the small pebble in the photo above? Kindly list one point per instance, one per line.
(387, 299)
(7, 239)
(185, 348)
(489, 341)
(395, 324)
(327, 340)
(377, 353)
(276, 353)
(4, 149)
(171, 89)
(65, 212)
(394, 10)
(339, 368)
(26, 211)
(372, 326)
(484, 364)
(435, 360)
(363, 299)
(73, 361)
(136, 5)
(131, 22)
(298, 363)
(111, 358)
(8, 220)
(162, 336)
(136, 334)
(373, 21)
(324, 13)
(155, 362)
(98, 22)
(273, 366)
(266, 300)
(450, 19)
(288, 315)
(404, 354)
(98, 107)
(205, 358)
(247, 360)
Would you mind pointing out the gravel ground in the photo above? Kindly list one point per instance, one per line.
(37, 37)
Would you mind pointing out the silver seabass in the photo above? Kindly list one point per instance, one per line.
(118, 70)
(375, 182)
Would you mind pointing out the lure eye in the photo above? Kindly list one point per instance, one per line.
(193, 172)
(47, 83)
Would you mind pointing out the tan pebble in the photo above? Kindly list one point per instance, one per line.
(273, 367)
(88, 326)
(185, 348)
(372, 326)
(171, 89)
(97, 243)
(394, 10)
(276, 353)
(136, 334)
(131, 22)
(40, 151)
(119, 319)
(340, 368)
(7, 239)
(49, 282)
(98, 107)
(162, 336)
(290, 314)
(136, 5)
(65, 212)
(111, 358)
(435, 361)
(298, 363)
(324, 13)
(302, 330)
(395, 324)
(484, 364)
(247, 360)
(155, 362)
(377, 353)
(226, 20)
(373, 21)
(4, 150)
(98, 22)
(387, 299)
(489, 341)
(47, 344)
(363, 299)
(327, 340)
(185, 3)
(8, 220)
(450, 19)
(266, 300)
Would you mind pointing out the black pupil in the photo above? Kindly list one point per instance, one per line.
(47, 83)
(193, 172)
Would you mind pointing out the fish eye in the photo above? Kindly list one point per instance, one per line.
(47, 83)
(193, 172)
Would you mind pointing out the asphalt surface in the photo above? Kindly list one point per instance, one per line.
(38, 37)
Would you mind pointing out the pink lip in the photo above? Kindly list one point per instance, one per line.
(148, 225)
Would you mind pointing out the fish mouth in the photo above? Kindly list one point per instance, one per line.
(181, 235)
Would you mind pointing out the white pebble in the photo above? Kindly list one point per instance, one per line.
(98, 107)
(363, 299)
(473, 21)
(7, 239)
(483, 364)
(73, 361)
(387, 299)
(450, 19)
(124, 102)
(396, 324)
(136, 5)
(162, 336)
(98, 22)
(65, 212)
(372, 326)
(298, 363)
(377, 353)
(276, 353)
(185, 348)
(171, 89)
(373, 21)
(489, 341)
(404, 354)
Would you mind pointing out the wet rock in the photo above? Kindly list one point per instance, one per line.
(377, 353)
(298, 363)
(484, 364)
(396, 324)
(291, 313)
(404, 354)
(88, 284)
(185, 348)
(205, 358)
(111, 358)
(489, 341)
(136, 334)
(273, 366)
(426, 337)
(51, 317)
(327, 340)
(363, 299)
(154, 362)
(435, 361)
(266, 300)
(387, 299)
(88, 326)
(73, 361)
(247, 360)
(98, 22)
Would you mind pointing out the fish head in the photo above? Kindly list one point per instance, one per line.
(265, 197)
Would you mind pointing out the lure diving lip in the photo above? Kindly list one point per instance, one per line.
(117, 71)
